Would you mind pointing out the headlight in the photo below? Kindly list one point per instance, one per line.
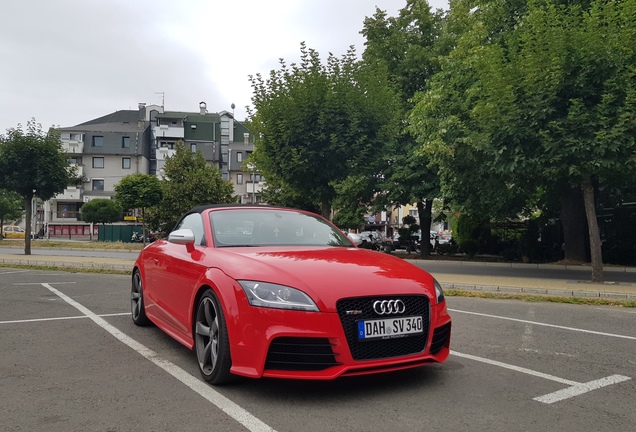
(439, 292)
(270, 295)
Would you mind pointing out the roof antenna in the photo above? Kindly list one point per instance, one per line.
(163, 98)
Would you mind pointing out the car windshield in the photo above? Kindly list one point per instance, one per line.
(272, 227)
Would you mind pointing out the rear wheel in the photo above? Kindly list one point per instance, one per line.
(211, 340)
(137, 307)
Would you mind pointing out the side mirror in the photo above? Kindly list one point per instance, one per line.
(355, 238)
(183, 237)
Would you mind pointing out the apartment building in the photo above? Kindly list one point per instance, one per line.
(224, 142)
(106, 149)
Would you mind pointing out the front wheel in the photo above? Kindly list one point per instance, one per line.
(137, 307)
(211, 340)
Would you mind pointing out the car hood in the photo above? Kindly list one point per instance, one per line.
(327, 273)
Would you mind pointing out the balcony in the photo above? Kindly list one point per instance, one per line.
(164, 152)
(72, 146)
(168, 131)
(254, 187)
(70, 193)
(79, 170)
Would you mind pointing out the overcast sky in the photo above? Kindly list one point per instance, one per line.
(65, 62)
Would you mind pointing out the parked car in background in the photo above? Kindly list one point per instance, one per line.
(283, 293)
(402, 244)
(13, 231)
(445, 238)
(374, 240)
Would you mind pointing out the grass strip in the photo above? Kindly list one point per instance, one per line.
(542, 298)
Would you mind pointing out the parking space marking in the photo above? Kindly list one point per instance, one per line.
(249, 421)
(546, 325)
(579, 389)
(60, 318)
(575, 388)
(515, 368)
(13, 272)
(40, 283)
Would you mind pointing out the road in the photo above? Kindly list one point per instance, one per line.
(554, 272)
(72, 361)
(101, 253)
(612, 274)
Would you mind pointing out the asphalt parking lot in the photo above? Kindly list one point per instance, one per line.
(72, 360)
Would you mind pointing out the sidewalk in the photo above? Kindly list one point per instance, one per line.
(67, 261)
(576, 286)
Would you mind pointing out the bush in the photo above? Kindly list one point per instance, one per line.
(470, 247)
(447, 249)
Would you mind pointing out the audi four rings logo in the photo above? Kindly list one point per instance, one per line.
(388, 307)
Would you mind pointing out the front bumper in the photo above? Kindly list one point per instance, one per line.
(317, 345)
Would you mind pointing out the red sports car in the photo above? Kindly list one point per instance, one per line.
(263, 291)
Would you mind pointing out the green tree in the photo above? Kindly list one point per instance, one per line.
(317, 123)
(407, 47)
(101, 211)
(446, 129)
(139, 191)
(11, 206)
(33, 164)
(189, 182)
(551, 105)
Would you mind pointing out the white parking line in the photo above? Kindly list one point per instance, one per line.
(575, 389)
(40, 283)
(239, 414)
(515, 368)
(60, 318)
(545, 325)
(579, 389)
(13, 272)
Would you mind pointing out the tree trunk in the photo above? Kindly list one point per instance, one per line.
(573, 222)
(592, 223)
(143, 227)
(425, 211)
(28, 201)
(325, 209)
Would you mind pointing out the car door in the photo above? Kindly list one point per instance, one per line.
(19, 232)
(177, 272)
(9, 232)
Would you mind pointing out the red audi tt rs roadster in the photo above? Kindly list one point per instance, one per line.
(261, 291)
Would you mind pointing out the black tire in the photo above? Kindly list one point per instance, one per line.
(137, 305)
(211, 341)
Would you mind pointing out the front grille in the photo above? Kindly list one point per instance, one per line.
(440, 337)
(379, 349)
(300, 354)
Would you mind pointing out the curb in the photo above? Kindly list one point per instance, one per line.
(536, 291)
(89, 265)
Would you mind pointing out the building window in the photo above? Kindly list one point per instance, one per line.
(98, 162)
(239, 179)
(98, 141)
(246, 138)
(239, 156)
(75, 160)
(255, 177)
(125, 142)
(125, 163)
(413, 212)
(98, 185)
(193, 148)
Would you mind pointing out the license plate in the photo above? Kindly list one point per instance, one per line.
(390, 328)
